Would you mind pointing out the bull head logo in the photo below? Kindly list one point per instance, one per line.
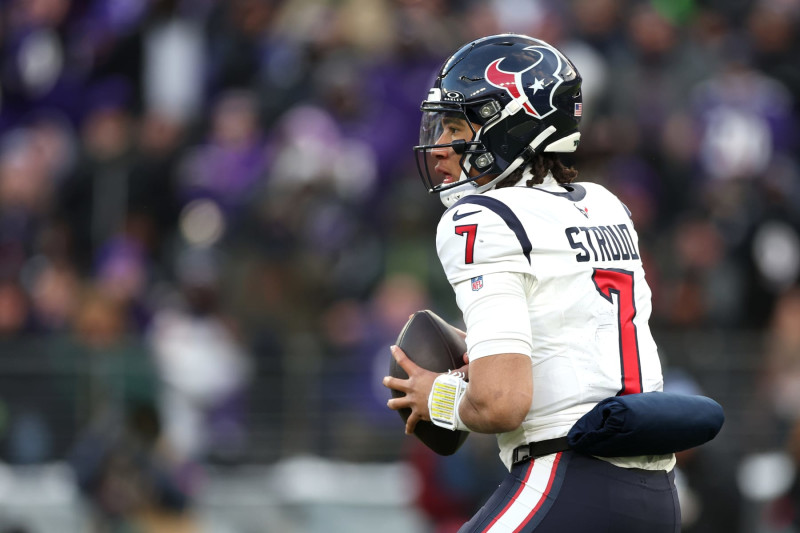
(521, 89)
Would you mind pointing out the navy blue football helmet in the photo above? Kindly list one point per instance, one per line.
(519, 96)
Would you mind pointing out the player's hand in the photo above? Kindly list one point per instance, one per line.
(417, 388)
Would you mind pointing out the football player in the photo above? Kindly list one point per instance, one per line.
(548, 276)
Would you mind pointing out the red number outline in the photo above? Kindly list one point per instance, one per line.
(611, 281)
(471, 230)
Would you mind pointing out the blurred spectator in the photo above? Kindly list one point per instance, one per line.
(746, 118)
(772, 29)
(54, 288)
(26, 197)
(93, 200)
(652, 76)
(111, 431)
(241, 47)
(14, 310)
(152, 201)
(700, 286)
(203, 366)
(122, 275)
(172, 62)
(599, 23)
(26, 434)
(103, 371)
(225, 168)
(37, 47)
(357, 339)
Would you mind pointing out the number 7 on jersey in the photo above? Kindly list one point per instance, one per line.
(470, 230)
(609, 282)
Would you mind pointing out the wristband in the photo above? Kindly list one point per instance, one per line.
(444, 399)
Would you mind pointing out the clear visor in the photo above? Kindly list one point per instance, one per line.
(431, 133)
(432, 126)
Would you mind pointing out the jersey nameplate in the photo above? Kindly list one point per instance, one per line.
(602, 243)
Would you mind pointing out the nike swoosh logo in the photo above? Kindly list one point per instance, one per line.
(459, 216)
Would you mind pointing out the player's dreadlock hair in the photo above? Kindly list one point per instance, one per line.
(540, 165)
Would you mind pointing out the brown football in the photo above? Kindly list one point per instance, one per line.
(437, 346)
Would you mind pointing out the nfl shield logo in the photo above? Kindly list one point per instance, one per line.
(477, 283)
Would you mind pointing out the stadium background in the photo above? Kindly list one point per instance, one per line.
(211, 229)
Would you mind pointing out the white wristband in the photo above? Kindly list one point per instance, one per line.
(445, 397)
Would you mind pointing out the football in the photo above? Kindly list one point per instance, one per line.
(437, 346)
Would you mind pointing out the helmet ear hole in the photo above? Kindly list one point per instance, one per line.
(484, 160)
(489, 109)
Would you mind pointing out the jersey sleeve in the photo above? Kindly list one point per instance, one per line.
(496, 314)
(474, 240)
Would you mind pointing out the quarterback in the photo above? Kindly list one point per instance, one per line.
(547, 273)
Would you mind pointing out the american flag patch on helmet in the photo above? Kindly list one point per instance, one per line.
(578, 109)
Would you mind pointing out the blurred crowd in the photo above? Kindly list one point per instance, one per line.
(211, 225)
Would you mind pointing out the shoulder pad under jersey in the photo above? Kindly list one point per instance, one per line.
(480, 235)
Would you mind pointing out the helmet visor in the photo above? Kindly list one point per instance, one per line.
(431, 135)
(445, 146)
(432, 126)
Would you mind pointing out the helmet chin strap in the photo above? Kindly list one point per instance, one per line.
(451, 196)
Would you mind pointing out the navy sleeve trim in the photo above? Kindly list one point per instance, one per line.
(504, 212)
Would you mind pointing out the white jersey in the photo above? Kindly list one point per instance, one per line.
(554, 273)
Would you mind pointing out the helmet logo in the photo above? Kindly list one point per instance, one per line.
(453, 96)
(437, 95)
(514, 84)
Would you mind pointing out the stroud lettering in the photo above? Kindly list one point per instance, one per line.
(602, 243)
